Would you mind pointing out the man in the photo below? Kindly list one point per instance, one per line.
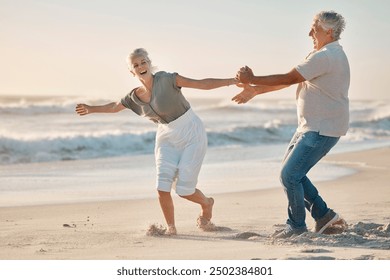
(323, 116)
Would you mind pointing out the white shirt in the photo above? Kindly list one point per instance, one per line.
(322, 100)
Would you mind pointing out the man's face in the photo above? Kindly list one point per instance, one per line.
(319, 35)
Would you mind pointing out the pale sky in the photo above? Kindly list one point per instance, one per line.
(79, 47)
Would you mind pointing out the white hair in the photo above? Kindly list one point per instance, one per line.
(139, 52)
(331, 20)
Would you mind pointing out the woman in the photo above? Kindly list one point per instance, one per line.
(181, 139)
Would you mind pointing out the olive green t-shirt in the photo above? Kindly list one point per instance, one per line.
(167, 102)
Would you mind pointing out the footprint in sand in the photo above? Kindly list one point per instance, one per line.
(312, 258)
(365, 257)
(160, 230)
(246, 235)
(315, 251)
(69, 226)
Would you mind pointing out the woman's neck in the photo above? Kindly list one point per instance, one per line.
(148, 83)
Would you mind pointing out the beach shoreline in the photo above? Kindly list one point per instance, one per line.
(116, 230)
(225, 170)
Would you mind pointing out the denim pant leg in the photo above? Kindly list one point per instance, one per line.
(304, 151)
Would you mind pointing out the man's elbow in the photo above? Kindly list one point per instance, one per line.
(294, 77)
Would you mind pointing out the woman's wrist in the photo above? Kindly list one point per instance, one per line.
(231, 81)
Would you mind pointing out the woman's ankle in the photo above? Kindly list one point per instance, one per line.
(171, 230)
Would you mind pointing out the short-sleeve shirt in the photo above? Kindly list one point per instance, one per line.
(167, 102)
(322, 100)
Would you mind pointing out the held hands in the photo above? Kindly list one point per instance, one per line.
(245, 75)
(82, 109)
(246, 94)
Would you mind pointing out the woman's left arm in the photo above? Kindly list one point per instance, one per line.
(208, 83)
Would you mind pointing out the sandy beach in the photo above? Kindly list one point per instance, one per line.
(117, 230)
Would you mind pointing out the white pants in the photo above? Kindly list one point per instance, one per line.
(180, 149)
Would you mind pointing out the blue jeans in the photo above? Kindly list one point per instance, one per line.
(303, 152)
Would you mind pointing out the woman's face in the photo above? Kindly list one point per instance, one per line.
(140, 67)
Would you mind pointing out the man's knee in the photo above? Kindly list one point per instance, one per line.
(288, 177)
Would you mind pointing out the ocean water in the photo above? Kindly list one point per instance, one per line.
(50, 155)
(47, 129)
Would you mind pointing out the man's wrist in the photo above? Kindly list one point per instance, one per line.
(251, 79)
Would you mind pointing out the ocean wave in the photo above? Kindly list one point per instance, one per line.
(74, 147)
(86, 146)
(377, 128)
(251, 135)
(42, 106)
(48, 129)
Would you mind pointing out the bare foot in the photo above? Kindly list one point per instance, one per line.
(204, 218)
(205, 225)
(207, 210)
(171, 230)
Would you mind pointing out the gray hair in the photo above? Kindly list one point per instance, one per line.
(331, 20)
(137, 53)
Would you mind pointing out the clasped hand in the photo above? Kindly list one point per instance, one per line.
(244, 76)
